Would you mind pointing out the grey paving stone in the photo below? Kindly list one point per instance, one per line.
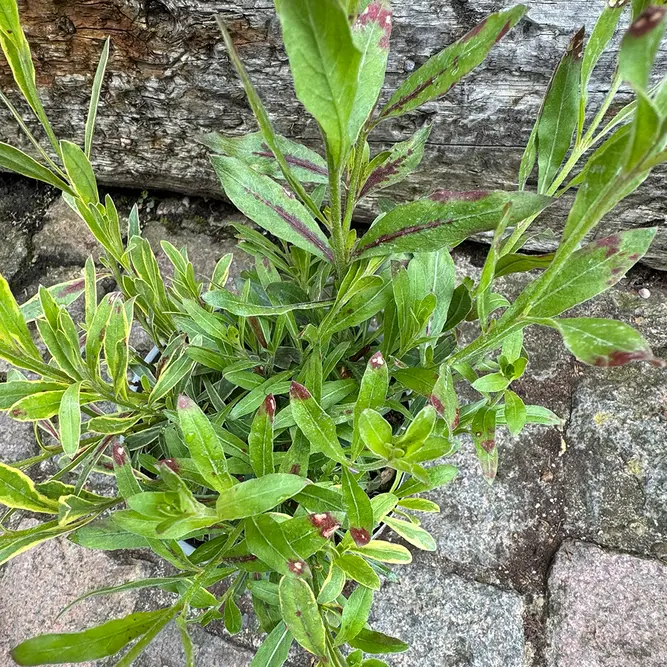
(606, 609)
(450, 622)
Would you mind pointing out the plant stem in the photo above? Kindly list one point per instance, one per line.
(335, 215)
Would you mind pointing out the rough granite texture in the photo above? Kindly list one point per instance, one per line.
(606, 609)
(517, 580)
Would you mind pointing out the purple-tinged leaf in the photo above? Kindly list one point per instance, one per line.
(260, 438)
(592, 270)
(270, 206)
(63, 294)
(372, 393)
(600, 342)
(305, 164)
(449, 66)
(403, 158)
(445, 219)
(370, 34)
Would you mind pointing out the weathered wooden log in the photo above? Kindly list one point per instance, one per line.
(170, 80)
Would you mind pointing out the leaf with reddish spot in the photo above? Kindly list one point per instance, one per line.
(449, 66)
(306, 165)
(372, 393)
(370, 34)
(203, 443)
(63, 294)
(392, 168)
(267, 203)
(315, 424)
(302, 615)
(600, 342)
(593, 269)
(260, 438)
(359, 509)
(428, 224)
(483, 431)
(640, 46)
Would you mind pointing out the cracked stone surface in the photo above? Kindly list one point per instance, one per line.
(501, 589)
(606, 609)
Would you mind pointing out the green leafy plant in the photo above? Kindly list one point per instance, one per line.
(285, 421)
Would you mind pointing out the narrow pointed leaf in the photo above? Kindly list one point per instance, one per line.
(202, 441)
(306, 165)
(275, 648)
(412, 533)
(92, 644)
(69, 419)
(302, 615)
(592, 270)
(445, 69)
(325, 65)
(315, 424)
(258, 495)
(402, 160)
(18, 491)
(359, 509)
(559, 114)
(600, 342)
(445, 219)
(640, 46)
(260, 439)
(355, 614)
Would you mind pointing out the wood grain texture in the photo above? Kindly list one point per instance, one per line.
(170, 80)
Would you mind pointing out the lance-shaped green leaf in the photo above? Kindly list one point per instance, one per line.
(306, 165)
(260, 439)
(355, 614)
(640, 46)
(372, 394)
(359, 509)
(92, 644)
(357, 569)
(258, 495)
(515, 413)
(315, 424)
(69, 419)
(412, 533)
(596, 45)
(559, 114)
(111, 424)
(370, 33)
(116, 344)
(13, 329)
(483, 431)
(266, 540)
(80, 172)
(445, 219)
(375, 433)
(63, 294)
(371, 641)
(202, 441)
(302, 615)
(235, 305)
(332, 586)
(592, 270)
(275, 648)
(269, 205)
(445, 69)
(325, 65)
(385, 552)
(600, 342)
(17, 161)
(393, 167)
(11, 392)
(17, 490)
(517, 263)
(122, 466)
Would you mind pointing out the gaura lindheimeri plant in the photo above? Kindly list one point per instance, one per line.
(283, 422)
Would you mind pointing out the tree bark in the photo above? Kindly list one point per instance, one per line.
(169, 80)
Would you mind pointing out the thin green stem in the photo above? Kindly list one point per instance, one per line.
(335, 217)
